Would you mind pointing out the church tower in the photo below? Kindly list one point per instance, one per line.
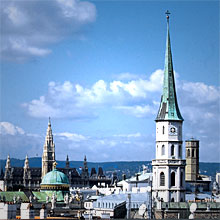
(85, 170)
(192, 160)
(48, 157)
(169, 167)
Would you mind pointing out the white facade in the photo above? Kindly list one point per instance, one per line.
(169, 168)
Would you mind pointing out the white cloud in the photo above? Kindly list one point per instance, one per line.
(28, 28)
(200, 92)
(71, 136)
(126, 76)
(107, 148)
(16, 142)
(138, 111)
(75, 101)
(136, 135)
(8, 128)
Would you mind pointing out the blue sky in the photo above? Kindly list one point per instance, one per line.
(96, 68)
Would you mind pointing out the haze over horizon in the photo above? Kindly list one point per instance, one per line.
(96, 68)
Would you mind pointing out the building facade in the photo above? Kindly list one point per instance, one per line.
(169, 166)
(29, 178)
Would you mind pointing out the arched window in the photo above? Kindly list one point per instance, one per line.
(173, 179)
(163, 129)
(163, 150)
(172, 200)
(162, 179)
(180, 151)
(193, 152)
(172, 150)
(188, 153)
(181, 179)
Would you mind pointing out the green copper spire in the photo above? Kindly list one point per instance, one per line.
(169, 109)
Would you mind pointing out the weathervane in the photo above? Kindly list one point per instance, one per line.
(167, 13)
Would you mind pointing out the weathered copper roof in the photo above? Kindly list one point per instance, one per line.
(55, 177)
(169, 109)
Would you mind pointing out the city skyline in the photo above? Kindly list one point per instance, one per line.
(96, 68)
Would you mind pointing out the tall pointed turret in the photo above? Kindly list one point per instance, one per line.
(85, 170)
(48, 157)
(169, 167)
(8, 163)
(67, 162)
(169, 109)
(8, 174)
(27, 174)
(26, 163)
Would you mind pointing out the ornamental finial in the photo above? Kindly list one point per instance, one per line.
(167, 13)
(54, 165)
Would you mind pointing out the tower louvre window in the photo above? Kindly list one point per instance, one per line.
(188, 153)
(180, 151)
(172, 150)
(162, 179)
(173, 179)
(193, 152)
(181, 179)
(163, 150)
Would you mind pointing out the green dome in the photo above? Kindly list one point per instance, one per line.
(55, 180)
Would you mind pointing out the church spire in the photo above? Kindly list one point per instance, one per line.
(169, 109)
(48, 157)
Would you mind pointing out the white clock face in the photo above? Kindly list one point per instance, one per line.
(173, 131)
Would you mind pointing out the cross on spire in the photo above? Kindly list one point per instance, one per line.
(167, 13)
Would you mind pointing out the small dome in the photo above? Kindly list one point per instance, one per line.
(55, 180)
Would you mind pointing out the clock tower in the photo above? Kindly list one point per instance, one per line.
(169, 167)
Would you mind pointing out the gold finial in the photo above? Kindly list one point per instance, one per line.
(54, 165)
(167, 13)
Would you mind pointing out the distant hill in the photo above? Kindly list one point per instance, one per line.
(121, 167)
